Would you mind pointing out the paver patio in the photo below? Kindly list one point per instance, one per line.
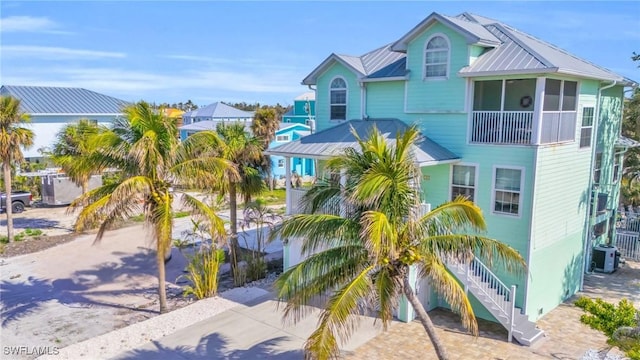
(566, 337)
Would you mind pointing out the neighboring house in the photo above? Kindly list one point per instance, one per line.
(304, 109)
(208, 118)
(51, 108)
(526, 130)
(290, 132)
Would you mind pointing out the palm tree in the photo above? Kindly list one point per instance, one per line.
(244, 151)
(13, 137)
(75, 151)
(144, 147)
(362, 252)
(264, 126)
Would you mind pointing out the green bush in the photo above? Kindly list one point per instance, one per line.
(4, 240)
(620, 323)
(202, 272)
(33, 232)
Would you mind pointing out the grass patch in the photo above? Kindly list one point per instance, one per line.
(274, 197)
(33, 232)
(181, 214)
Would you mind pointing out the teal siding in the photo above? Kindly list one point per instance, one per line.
(322, 95)
(475, 52)
(385, 99)
(436, 95)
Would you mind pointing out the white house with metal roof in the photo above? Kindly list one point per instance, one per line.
(528, 131)
(51, 108)
(208, 118)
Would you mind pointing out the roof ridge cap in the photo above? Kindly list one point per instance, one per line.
(505, 29)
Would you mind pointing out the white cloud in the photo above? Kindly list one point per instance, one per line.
(56, 53)
(30, 24)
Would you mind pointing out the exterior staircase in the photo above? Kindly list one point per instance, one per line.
(498, 299)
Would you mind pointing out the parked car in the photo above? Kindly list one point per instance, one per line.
(19, 200)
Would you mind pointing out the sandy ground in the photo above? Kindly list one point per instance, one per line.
(79, 290)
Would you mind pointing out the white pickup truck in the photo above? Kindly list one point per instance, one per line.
(19, 200)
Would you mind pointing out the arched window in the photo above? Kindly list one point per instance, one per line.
(338, 102)
(436, 58)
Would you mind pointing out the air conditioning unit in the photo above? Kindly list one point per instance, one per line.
(605, 258)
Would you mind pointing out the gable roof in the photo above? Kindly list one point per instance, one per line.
(309, 95)
(45, 100)
(508, 52)
(333, 141)
(211, 125)
(286, 127)
(218, 110)
(473, 32)
(362, 66)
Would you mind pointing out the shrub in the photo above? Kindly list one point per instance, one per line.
(202, 272)
(33, 232)
(620, 323)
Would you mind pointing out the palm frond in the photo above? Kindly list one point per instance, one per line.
(379, 235)
(214, 222)
(318, 230)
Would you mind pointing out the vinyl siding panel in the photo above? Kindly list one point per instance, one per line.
(385, 99)
(447, 95)
(322, 95)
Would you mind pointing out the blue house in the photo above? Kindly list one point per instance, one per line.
(290, 132)
(304, 109)
(208, 118)
(51, 108)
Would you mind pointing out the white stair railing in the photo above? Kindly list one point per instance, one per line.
(501, 295)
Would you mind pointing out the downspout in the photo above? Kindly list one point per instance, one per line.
(363, 100)
(594, 143)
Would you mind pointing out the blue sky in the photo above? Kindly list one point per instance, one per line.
(162, 51)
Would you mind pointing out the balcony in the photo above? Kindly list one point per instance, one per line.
(502, 127)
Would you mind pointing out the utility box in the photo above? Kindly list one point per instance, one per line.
(58, 189)
(606, 258)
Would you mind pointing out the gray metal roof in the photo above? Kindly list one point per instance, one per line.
(363, 66)
(60, 100)
(333, 141)
(625, 142)
(211, 125)
(218, 110)
(395, 69)
(521, 52)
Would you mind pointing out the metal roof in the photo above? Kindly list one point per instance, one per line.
(521, 52)
(309, 95)
(60, 100)
(333, 141)
(395, 69)
(625, 142)
(363, 66)
(218, 110)
(211, 125)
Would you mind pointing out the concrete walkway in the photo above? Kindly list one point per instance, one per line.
(252, 331)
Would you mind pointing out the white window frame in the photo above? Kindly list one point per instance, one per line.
(475, 179)
(493, 190)
(346, 98)
(597, 168)
(424, 60)
(281, 163)
(583, 127)
(616, 167)
(283, 138)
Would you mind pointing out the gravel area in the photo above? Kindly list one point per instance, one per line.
(592, 354)
(128, 338)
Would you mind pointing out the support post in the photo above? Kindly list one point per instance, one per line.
(287, 185)
(405, 310)
(513, 313)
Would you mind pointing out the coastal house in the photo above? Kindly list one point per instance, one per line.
(303, 110)
(51, 108)
(208, 118)
(291, 131)
(526, 130)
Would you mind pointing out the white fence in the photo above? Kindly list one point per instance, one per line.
(628, 235)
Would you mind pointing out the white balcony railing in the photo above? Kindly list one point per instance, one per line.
(502, 127)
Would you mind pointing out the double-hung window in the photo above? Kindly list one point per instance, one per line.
(338, 99)
(507, 187)
(463, 181)
(587, 127)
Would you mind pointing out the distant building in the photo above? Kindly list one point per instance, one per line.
(208, 118)
(304, 109)
(51, 108)
(290, 132)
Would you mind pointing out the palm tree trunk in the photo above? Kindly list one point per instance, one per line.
(162, 291)
(424, 319)
(85, 186)
(233, 217)
(7, 189)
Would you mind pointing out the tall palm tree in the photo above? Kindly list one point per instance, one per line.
(13, 137)
(362, 253)
(264, 126)
(244, 151)
(144, 147)
(75, 151)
